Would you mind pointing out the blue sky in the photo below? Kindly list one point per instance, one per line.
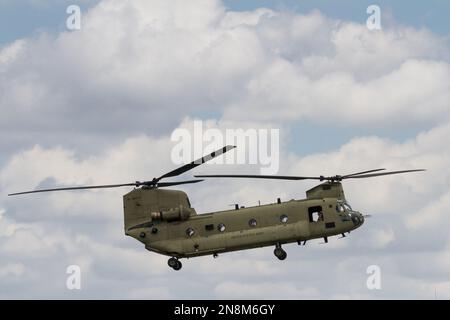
(20, 19)
(431, 14)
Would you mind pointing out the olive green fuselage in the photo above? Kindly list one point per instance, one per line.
(195, 234)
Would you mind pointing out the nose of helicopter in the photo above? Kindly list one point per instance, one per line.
(357, 218)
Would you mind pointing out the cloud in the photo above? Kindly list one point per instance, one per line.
(134, 65)
(384, 237)
(383, 100)
(432, 215)
(9, 53)
(364, 81)
(11, 269)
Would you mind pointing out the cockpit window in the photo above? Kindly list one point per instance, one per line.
(347, 206)
(344, 209)
(343, 206)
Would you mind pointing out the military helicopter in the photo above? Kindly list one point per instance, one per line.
(166, 223)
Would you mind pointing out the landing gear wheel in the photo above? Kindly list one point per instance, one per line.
(172, 262)
(280, 253)
(177, 266)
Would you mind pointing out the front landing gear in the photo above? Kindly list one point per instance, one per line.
(174, 263)
(279, 252)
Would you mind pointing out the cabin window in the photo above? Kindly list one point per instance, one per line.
(252, 223)
(190, 232)
(283, 218)
(221, 227)
(315, 214)
(209, 227)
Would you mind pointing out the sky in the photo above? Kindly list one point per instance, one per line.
(98, 105)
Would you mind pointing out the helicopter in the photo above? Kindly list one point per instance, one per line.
(166, 223)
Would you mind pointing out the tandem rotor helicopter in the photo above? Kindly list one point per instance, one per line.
(166, 223)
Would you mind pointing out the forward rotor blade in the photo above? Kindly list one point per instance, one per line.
(169, 184)
(382, 174)
(196, 163)
(362, 172)
(256, 176)
(321, 178)
(136, 184)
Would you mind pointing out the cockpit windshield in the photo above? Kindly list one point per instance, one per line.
(343, 206)
(347, 206)
(344, 210)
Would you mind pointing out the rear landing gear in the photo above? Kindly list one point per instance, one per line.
(279, 252)
(174, 263)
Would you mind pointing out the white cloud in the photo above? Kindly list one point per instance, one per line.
(14, 269)
(10, 52)
(283, 92)
(133, 65)
(383, 237)
(432, 215)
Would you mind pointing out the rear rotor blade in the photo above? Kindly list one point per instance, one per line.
(196, 163)
(382, 174)
(362, 174)
(136, 184)
(255, 176)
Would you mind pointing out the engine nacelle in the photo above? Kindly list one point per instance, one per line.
(180, 213)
